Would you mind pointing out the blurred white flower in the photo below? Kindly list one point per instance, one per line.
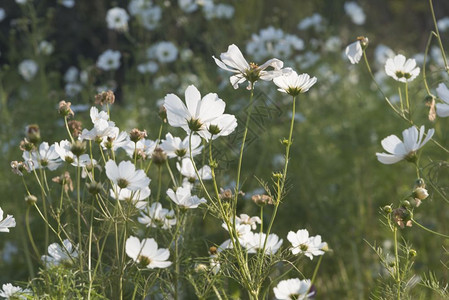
(2, 14)
(401, 69)
(21, 1)
(44, 157)
(125, 175)
(28, 69)
(315, 21)
(57, 254)
(135, 7)
(166, 52)
(354, 52)
(302, 243)
(148, 67)
(294, 84)
(188, 6)
(184, 199)
(117, 19)
(71, 75)
(175, 147)
(233, 61)
(147, 253)
(109, 60)
(382, 53)
(443, 94)
(143, 148)
(293, 288)
(157, 216)
(45, 48)
(333, 44)
(10, 291)
(355, 12)
(68, 3)
(443, 24)
(150, 17)
(398, 150)
(73, 89)
(9, 221)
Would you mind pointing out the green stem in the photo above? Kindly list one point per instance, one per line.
(30, 235)
(440, 43)
(396, 254)
(430, 230)
(315, 272)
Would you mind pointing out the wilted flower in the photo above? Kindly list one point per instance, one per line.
(136, 135)
(9, 221)
(303, 243)
(233, 61)
(402, 217)
(293, 289)
(65, 181)
(401, 69)
(262, 200)
(28, 69)
(75, 128)
(399, 150)
(19, 167)
(109, 60)
(117, 19)
(65, 110)
(294, 84)
(106, 97)
(58, 255)
(184, 199)
(146, 253)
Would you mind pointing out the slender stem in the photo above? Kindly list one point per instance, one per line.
(398, 272)
(30, 235)
(315, 272)
(407, 101)
(446, 67)
(68, 130)
(78, 207)
(430, 230)
(400, 99)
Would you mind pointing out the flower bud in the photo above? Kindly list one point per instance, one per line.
(420, 183)
(387, 209)
(33, 134)
(363, 41)
(412, 253)
(420, 193)
(94, 187)
(405, 203)
(31, 199)
(65, 110)
(159, 156)
(78, 148)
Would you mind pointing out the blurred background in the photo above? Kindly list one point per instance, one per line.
(59, 51)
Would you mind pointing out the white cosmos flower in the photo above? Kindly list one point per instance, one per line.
(117, 19)
(166, 52)
(10, 291)
(9, 221)
(109, 60)
(184, 199)
(175, 147)
(443, 94)
(187, 169)
(241, 230)
(245, 219)
(44, 157)
(303, 243)
(401, 69)
(354, 52)
(254, 242)
(146, 252)
(399, 150)
(125, 175)
(294, 84)
(136, 197)
(200, 115)
(157, 216)
(233, 61)
(293, 289)
(57, 254)
(143, 147)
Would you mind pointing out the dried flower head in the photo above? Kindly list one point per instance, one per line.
(19, 167)
(26, 145)
(262, 200)
(136, 135)
(402, 217)
(33, 133)
(75, 128)
(225, 194)
(163, 113)
(30, 199)
(65, 110)
(103, 98)
(64, 180)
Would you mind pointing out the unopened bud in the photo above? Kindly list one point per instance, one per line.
(31, 199)
(33, 133)
(363, 41)
(387, 209)
(159, 156)
(420, 193)
(412, 253)
(65, 110)
(94, 187)
(78, 148)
